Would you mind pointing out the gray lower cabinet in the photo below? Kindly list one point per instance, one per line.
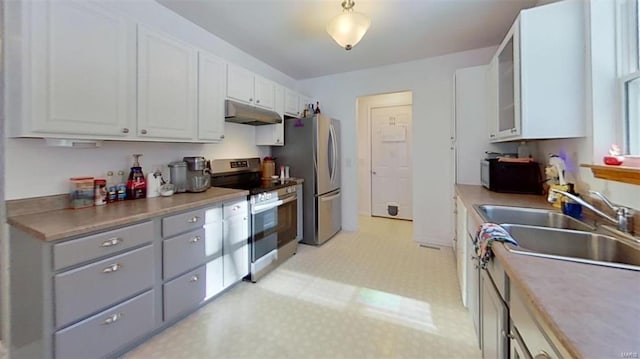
(85, 290)
(184, 293)
(101, 334)
(100, 294)
(183, 252)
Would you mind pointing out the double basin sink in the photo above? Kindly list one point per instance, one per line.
(550, 234)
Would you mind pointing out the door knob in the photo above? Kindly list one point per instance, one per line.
(373, 172)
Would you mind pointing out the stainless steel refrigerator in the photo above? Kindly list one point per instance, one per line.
(312, 150)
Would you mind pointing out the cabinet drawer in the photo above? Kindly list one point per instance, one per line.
(87, 289)
(235, 208)
(87, 248)
(183, 222)
(107, 331)
(183, 252)
(184, 293)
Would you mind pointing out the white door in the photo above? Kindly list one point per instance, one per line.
(83, 70)
(167, 87)
(211, 85)
(391, 185)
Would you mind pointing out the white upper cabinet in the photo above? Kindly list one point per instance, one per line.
(265, 92)
(292, 105)
(71, 67)
(167, 86)
(538, 75)
(211, 86)
(247, 87)
(273, 135)
(492, 99)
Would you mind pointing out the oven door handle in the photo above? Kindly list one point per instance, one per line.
(265, 207)
(288, 199)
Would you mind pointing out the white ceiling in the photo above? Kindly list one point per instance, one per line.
(290, 35)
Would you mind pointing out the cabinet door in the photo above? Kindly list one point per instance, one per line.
(235, 249)
(273, 135)
(211, 85)
(492, 99)
(508, 85)
(239, 84)
(265, 93)
(291, 103)
(494, 321)
(167, 87)
(83, 74)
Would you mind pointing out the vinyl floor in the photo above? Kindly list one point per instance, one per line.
(368, 294)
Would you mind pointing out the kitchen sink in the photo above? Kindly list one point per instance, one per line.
(530, 217)
(572, 245)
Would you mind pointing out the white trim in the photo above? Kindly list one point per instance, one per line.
(624, 80)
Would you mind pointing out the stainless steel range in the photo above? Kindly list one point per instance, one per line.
(273, 208)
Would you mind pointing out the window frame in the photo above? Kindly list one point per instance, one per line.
(628, 64)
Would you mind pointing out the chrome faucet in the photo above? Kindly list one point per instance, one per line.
(624, 215)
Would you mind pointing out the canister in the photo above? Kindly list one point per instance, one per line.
(81, 192)
(178, 175)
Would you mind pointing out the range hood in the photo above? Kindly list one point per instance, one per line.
(249, 115)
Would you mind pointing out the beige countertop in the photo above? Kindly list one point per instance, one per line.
(63, 223)
(593, 311)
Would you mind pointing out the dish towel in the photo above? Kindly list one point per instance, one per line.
(486, 235)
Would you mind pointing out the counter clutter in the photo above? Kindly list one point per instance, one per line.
(587, 311)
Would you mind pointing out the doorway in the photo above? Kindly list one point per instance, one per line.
(391, 162)
(385, 186)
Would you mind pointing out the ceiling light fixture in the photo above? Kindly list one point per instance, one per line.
(348, 28)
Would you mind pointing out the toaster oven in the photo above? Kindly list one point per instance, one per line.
(511, 177)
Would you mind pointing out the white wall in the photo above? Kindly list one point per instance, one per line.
(33, 169)
(431, 82)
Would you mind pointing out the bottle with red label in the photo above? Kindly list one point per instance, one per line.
(136, 184)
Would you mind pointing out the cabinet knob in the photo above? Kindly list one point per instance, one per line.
(112, 318)
(195, 239)
(195, 278)
(513, 130)
(112, 268)
(221, 136)
(125, 130)
(492, 135)
(250, 99)
(257, 101)
(111, 242)
(144, 132)
(278, 140)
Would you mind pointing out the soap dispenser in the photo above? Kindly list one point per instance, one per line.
(136, 184)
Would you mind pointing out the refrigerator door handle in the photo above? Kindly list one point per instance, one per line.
(330, 198)
(335, 153)
(332, 170)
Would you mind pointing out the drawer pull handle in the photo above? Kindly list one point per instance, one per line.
(236, 207)
(112, 318)
(112, 268)
(193, 219)
(111, 242)
(195, 239)
(542, 355)
(194, 278)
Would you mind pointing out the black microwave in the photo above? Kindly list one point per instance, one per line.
(511, 177)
